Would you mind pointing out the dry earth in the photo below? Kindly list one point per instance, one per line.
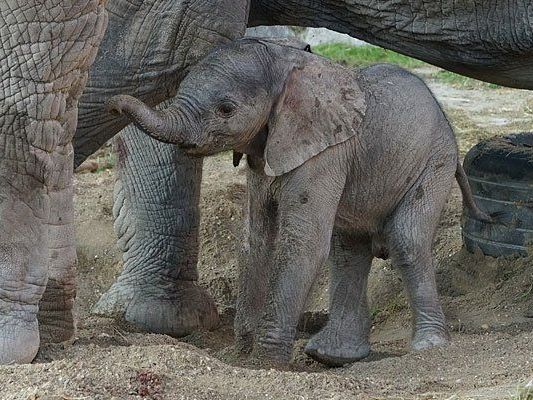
(485, 300)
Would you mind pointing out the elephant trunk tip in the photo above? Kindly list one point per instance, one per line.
(116, 105)
(161, 125)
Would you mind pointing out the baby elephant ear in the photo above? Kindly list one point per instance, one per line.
(321, 105)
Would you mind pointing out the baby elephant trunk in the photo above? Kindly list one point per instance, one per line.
(166, 126)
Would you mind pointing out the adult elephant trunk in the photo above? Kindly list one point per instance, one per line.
(168, 126)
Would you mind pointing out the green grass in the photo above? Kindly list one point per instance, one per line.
(106, 161)
(525, 393)
(363, 56)
(460, 81)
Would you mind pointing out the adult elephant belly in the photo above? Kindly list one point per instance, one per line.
(148, 48)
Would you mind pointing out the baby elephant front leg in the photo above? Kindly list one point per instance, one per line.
(256, 259)
(305, 224)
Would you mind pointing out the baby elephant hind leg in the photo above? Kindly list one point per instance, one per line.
(410, 235)
(345, 337)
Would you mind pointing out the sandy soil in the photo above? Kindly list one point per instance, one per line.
(485, 300)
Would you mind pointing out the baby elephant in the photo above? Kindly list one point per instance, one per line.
(350, 164)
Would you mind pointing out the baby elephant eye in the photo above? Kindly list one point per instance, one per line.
(226, 109)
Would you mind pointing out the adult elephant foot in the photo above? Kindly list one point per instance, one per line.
(156, 221)
(176, 309)
(328, 348)
(23, 276)
(19, 340)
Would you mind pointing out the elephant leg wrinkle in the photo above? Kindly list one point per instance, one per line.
(40, 96)
(156, 196)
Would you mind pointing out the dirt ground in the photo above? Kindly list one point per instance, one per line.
(485, 301)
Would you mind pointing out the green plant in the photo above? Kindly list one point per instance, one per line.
(364, 55)
(525, 393)
(106, 161)
(462, 82)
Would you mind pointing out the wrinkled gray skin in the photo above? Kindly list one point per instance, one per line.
(47, 49)
(491, 40)
(147, 50)
(320, 140)
(149, 46)
(42, 79)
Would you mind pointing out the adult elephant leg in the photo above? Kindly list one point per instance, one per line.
(156, 210)
(23, 265)
(149, 47)
(47, 48)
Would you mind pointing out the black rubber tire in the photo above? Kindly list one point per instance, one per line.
(500, 172)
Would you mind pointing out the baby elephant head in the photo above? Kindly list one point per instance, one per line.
(264, 97)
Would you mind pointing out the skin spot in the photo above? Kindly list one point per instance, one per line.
(338, 129)
(303, 198)
(348, 94)
(317, 102)
(419, 193)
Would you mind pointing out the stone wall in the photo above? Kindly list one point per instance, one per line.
(313, 36)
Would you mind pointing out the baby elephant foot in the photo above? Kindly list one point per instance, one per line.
(426, 339)
(176, 309)
(275, 345)
(326, 348)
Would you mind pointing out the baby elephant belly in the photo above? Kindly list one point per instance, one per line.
(366, 229)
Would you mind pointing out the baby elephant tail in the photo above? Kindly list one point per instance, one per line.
(468, 198)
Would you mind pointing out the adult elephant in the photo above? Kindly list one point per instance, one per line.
(47, 49)
(148, 48)
(490, 40)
